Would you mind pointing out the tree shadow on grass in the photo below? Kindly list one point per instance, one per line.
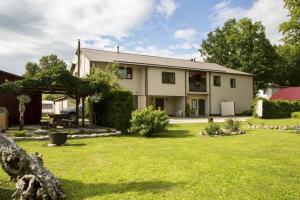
(166, 134)
(78, 190)
(6, 193)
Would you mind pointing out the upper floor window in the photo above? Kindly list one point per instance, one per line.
(197, 81)
(217, 80)
(232, 83)
(168, 77)
(125, 72)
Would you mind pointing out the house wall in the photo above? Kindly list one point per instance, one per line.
(156, 87)
(242, 95)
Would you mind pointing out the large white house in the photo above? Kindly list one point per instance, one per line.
(171, 83)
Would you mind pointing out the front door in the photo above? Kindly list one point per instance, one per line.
(201, 107)
(159, 103)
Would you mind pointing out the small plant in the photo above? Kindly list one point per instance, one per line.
(213, 129)
(108, 130)
(232, 125)
(295, 115)
(53, 130)
(19, 133)
(148, 121)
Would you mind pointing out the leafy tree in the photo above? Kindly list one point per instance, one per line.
(242, 45)
(289, 51)
(50, 61)
(31, 69)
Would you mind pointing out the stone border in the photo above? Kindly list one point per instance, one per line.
(292, 128)
(80, 136)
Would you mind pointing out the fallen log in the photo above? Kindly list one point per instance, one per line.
(33, 180)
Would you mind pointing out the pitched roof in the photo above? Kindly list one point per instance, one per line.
(129, 58)
(291, 93)
(10, 74)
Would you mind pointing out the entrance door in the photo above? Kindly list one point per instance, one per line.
(201, 107)
(159, 103)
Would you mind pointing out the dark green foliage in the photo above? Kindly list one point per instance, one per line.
(213, 129)
(279, 109)
(149, 121)
(295, 115)
(242, 45)
(187, 110)
(232, 125)
(114, 110)
(18, 133)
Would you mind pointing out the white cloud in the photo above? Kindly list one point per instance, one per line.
(30, 28)
(188, 34)
(271, 13)
(166, 7)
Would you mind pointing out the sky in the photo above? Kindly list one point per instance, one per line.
(30, 29)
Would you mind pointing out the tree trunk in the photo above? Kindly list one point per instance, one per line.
(77, 110)
(83, 111)
(33, 180)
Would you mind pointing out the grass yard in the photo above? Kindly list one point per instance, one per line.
(275, 122)
(262, 164)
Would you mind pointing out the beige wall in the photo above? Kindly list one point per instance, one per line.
(172, 105)
(156, 87)
(242, 95)
(199, 96)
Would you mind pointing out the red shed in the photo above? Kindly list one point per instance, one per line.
(291, 93)
(33, 111)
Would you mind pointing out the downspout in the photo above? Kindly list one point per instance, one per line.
(209, 92)
(146, 83)
(185, 94)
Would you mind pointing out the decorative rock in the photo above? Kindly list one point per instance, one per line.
(51, 145)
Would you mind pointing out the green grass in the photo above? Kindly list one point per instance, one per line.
(262, 164)
(277, 122)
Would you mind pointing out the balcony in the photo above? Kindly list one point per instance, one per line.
(197, 82)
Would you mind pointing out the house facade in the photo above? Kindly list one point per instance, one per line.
(172, 83)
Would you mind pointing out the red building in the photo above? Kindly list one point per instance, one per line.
(291, 93)
(33, 111)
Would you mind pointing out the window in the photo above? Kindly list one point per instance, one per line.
(217, 81)
(194, 104)
(168, 77)
(125, 72)
(197, 81)
(232, 83)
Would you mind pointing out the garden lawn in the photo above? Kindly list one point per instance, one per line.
(262, 164)
(275, 122)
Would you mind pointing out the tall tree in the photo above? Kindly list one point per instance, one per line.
(51, 61)
(289, 51)
(31, 69)
(242, 45)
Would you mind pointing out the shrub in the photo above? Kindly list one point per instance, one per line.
(187, 110)
(295, 115)
(53, 130)
(213, 129)
(277, 109)
(232, 125)
(19, 133)
(148, 121)
(114, 110)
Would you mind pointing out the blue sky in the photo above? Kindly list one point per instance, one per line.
(171, 28)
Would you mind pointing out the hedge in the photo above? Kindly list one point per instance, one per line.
(295, 115)
(279, 109)
(114, 110)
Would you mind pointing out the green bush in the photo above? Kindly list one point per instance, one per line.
(19, 133)
(187, 110)
(114, 110)
(276, 109)
(232, 125)
(148, 121)
(295, 115)
(213, 129)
